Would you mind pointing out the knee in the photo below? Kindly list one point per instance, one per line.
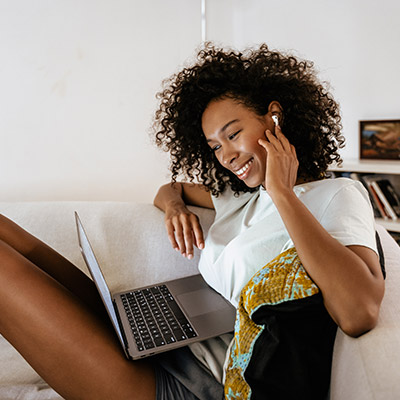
(5, 227)
(9, 258)
(15, 236)
(4, 221)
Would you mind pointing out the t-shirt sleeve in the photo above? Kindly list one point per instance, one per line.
(349, 217)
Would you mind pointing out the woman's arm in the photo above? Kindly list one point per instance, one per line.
(349, 278)
(183, 227)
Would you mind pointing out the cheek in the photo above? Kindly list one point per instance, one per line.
(218, 158)
(261, 153)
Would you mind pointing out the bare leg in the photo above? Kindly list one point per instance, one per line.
(51, 262)
(63, 339)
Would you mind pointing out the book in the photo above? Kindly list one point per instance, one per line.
(388, 208)
(377, 205)
(390, 194)
(357, 177)
(378, 201)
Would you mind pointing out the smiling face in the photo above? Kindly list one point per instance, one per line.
(232, 130)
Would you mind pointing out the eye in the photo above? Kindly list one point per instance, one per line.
(215, 148)
(231, 137)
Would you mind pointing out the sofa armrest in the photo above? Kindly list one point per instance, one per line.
(367, 368)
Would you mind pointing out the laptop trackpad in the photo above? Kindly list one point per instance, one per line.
(201, 301)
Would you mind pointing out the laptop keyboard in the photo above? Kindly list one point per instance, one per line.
(155, 318)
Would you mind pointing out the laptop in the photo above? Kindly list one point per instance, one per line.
(162, 317)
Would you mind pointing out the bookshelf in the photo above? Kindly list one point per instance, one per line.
(372, 167)
(383, 168)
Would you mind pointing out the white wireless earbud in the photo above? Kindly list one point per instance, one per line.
(276, 120)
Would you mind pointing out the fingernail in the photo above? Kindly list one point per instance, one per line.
(190, 256)
(201, 246)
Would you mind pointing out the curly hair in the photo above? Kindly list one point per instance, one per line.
(254, 77)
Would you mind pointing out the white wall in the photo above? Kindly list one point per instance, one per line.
(78, 80)
(354, 44)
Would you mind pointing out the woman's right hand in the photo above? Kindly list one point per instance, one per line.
(183, 226)
(183, 229)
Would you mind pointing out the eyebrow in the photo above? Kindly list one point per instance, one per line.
(225, 127)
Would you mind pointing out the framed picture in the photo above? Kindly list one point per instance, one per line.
(380, 140)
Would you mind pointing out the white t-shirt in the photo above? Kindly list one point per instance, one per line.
(248, 232)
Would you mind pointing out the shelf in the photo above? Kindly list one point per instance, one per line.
(369, 166)
(384, 167)
(389, 225)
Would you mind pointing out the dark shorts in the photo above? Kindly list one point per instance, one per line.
(180, 376)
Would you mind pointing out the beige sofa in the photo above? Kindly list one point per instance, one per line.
(133, 250)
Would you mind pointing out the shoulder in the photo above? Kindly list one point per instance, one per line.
(328, 188)
(342, 196)
(347, 188)
(228, 201)
(346, 212)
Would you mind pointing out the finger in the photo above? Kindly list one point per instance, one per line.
(293, 150)
(188, 238)
(179, 234)
(276, 143)
(198, 235)
(171, 235)
(282, 138)
(264, 143)
(188, 222)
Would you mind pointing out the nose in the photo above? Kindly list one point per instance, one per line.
(229, 155)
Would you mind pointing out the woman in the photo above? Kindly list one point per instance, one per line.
(266, 180)
(216, 120)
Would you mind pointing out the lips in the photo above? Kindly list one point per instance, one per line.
(243, 171)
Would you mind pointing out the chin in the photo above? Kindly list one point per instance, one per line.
(252, 184)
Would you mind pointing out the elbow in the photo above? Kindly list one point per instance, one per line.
(360, 313)
(361, 322)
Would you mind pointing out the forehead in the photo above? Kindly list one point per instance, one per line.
(220, 112)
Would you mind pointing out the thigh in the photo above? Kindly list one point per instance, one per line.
(73, 349)
(51, 262)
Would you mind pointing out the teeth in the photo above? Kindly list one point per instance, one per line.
(242, 170)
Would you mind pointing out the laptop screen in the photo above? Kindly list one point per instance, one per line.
(97, 275)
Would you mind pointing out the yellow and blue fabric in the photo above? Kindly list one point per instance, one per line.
(283, 337)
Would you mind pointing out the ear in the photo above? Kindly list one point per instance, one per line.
(275, 108)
